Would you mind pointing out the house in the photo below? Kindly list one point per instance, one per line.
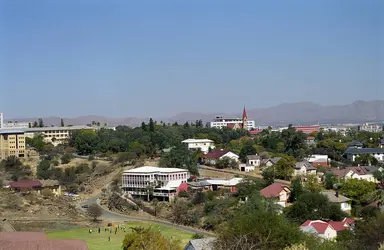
(304, 168)
(25, 185)
(310, 140)
(335, 197)
(255, 131)
(246, 168)
(355, 144)
(352, 153)
(277, 191)
(53, 185)
(381, 143)
(318, 160)
(271, 161)
(214, 155)
(359, 172)
(253, 160)
(37, 241)
(164, 181)
(327, 230)
(200, 244)
(216, 184)
(204, 145)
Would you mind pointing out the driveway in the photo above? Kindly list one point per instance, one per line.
(112, 216)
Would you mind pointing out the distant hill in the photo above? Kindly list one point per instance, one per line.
(303, 113)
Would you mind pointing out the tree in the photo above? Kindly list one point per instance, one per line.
(180, 157)
(86, 141)
(66, 158)
(151, 125)
(47, 193)
(226, 162)
(62, 122)
(13, 166)
(36, 142)
(330, 180)
(149, 239)
(42, 169)
(366, 159)
(247, 149)
(269, 175)
(94, 211)
(40, 123)
(312, 184)
(313, 206)
(297, 190)
(357, 190)
(284, 167)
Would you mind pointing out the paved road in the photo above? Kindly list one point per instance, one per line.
(111, 216)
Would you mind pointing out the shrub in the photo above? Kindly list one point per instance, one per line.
(46, 193)
(66, 158)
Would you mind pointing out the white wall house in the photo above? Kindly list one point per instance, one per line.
(164, 181)
(203, 144)
(320, 228)
(253, 160)
(304, 168)
(246, 168)
(334, 197)
(214, 155)
(352, 153)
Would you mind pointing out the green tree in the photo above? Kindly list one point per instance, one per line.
(226, 162)
(284, 167)
(357, 190)
(149, 239)
(86, 141)
(330, 180)
(269, 175)
(180, 157)
(62, 122)
(296, 190)
(42, 171)
(94, 211)
(36, 142)
(66, 158)
(247, 149)
(151, 125)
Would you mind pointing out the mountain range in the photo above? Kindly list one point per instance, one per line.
(300, 113)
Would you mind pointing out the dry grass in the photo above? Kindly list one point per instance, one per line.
(214, 174)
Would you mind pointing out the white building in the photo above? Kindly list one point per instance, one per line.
(352, 153)
(220, 122)
(304, 168)
(253, 160)
(15, 125)
(246, 168)
(203, 144)
(371, 127)
(157, 182)
(1, 120)
(335, 197)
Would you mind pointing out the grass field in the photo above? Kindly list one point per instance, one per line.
(96, 241)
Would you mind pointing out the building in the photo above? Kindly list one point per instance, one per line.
(253, 160)
(233, 123)
(201, 244)
(54, 135)
(216, 184)
(204, 145)
(37, 241)
(326, 230)
(1, 120)
(355, 144)
(335, 197)
(304, 168)
(318, 160)
(15, 125)
(52, 185)
(352, 153)
(277, 191)
(381, 143)
(308, 129)
(246, 168)
(358, 172)
(375, 128)
(150, 182)
(215, 155)
(12, 143)
(270, 162)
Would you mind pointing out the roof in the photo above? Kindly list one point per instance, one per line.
(359, 170)
(244, 113)
(49, 183)
(355, 143)
(310, 138)
(255, 131)
(332, 197)
(197, 141)
(348, 220)
(25, 184)
(55, 128)
(25, 236)
(171, 185)
(273, 190)
(319, 225)
(150, 169)
(219, 182)
(253, 157)
(234, 125)
(55, 244)
(201, 183)
(215, 154)
(307, 165)
(202, 244)
(364, 151)
(382, 141)
(10, 131)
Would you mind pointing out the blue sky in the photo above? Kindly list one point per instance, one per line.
(159, 58)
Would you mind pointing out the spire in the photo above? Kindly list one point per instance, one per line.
(244, 114)
(245, 119)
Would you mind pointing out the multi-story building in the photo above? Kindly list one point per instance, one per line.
(199, 144)
(371, 127)
(152, 182)
(1, 120)
(15, 125)
(233, 123)
(12, 143)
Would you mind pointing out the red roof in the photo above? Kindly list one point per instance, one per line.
(25, 184)
(182, 187)
(338, 225)
(310, 138)
(215, 154)
(272, 190)
(244, 113)
(348, 220)
(232, 125)
(318, 225)
(255, 131)
(308, 129)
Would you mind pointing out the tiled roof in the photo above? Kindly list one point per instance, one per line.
(318, 225)
(273, 190)
(253, 157)
(255, 131)
(310, 138)
(215, 154)
(360, 170)
(332, 197)
(348, 220)
(308, 166)
(364, 151)
(25, 184)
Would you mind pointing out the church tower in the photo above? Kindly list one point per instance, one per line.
(245, 119)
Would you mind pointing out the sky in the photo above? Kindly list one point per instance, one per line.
(159, 58)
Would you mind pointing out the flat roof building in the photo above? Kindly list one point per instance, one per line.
(12, 143)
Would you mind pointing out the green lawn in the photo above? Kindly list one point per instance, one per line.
(96, 241)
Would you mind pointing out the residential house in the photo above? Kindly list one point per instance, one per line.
(200, 244)
(277, 191)
(204, 145)
(327, 230)
(255, 131)
(355, 144)
(318, 160)
(253, 160)
(213, 156)
(37, 240)
(304, 168)
(53, 185)
(352, 153)
(25, 185)
(310, 140)
(216, 184)
(271, 161)
(335, 197)
(359, 172)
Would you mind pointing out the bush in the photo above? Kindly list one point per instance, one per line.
(66, 158)
(47, 193)
(196, 236)
(91, 157)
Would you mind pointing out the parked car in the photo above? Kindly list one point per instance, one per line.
(85, 206)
